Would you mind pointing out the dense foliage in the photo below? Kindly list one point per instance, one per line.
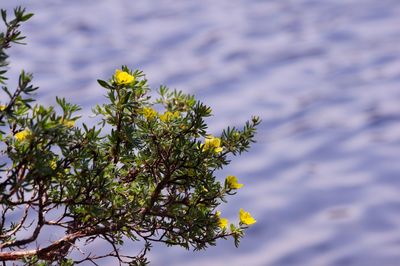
(146, 173)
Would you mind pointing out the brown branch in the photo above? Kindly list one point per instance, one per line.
(50, 252)
(37, 230)
(18, 226)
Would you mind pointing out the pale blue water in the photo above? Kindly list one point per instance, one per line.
(323, 180)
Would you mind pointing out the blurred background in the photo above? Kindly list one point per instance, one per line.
(324, 75)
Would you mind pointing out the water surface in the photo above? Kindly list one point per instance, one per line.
(323, 179)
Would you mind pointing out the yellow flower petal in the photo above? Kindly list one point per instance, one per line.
(223, 223)
(232, 182)
(246, 218)
(165, 117)
(218, 150)
(176, 115)
(53, 164)
(123, 77)
(22, 135)
(149, 113)
(212, 143)
(68, 123)
(168, 116)
(2, 107)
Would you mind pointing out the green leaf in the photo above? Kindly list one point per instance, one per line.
(104, 84)
(26, 17)
(4, 16)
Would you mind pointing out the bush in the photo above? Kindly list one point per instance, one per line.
(146, 173)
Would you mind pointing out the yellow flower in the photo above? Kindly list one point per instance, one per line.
(232, 182)
(165, 117)
(68, 123)
(23, 135)
(53, 164)
(2, 107)
(168, 116)
(246, 218)
(212, 143)
(222, 222)
(149, 113)
(122, 77)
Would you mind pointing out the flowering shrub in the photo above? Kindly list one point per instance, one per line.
(145, 174)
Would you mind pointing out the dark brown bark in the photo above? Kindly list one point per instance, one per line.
(52, 251)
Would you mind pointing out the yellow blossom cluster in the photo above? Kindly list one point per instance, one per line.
(2, 107)
(231, 182)
(23, 135)
(244, 217)
(149, 113)
(212, 143)
(168, 116)
(123, 77)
